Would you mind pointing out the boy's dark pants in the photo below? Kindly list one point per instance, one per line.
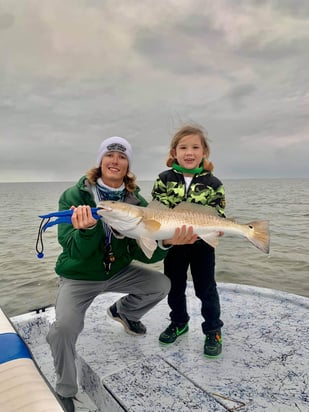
(201, 259)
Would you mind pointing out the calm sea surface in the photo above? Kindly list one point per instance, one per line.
(28, 282)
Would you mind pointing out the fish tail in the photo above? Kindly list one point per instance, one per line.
(258, 235)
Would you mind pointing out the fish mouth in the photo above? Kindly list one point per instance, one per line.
(104, 208)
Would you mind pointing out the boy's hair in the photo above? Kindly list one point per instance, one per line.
(129, 179)
(187, 130)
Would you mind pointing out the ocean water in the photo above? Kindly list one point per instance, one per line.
(28, 282)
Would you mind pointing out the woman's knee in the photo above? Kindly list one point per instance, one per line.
(164, 285)
(158, 283)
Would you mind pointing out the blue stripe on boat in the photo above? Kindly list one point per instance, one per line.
(12, 347)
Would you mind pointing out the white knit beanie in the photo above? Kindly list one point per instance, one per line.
(115, 144)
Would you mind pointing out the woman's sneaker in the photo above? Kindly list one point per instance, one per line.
(131, 327)
(213, 343)
(172, 332)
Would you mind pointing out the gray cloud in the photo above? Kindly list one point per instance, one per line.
(73, 73)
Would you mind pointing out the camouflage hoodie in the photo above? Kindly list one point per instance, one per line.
(204, 189)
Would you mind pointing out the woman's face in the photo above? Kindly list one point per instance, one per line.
(114, 167)
(189, 151)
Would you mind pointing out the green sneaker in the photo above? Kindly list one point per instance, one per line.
(213, 344)
(172, 332)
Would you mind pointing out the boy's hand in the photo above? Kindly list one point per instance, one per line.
(182, 236)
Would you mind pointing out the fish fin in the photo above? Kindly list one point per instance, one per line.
(152, 225)
(211, 238)
(155, 204)
(147, 245)
(231, 219)
(196, 208)
(116, 234)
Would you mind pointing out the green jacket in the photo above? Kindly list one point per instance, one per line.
(82, 257)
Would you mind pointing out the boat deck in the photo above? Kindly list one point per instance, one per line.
(264, 365)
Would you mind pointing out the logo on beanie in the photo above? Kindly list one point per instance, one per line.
(116, 147)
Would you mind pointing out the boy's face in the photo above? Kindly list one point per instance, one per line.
(189, 151)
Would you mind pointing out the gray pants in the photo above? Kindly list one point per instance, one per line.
(145, 288)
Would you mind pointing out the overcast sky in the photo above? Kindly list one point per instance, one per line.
(73, 72)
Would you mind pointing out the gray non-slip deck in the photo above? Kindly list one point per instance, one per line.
(264, 365)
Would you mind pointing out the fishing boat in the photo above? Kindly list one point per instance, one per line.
(264, 365)
(22, 386)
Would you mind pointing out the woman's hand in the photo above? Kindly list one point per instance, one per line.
(182, 236)
(82, 217)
